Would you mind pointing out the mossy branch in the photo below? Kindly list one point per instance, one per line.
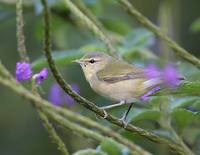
(88, 104)
(47, 107)
(148, 24)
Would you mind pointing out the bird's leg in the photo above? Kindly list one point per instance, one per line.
(104, 108)
(112, 106)
(123, 119)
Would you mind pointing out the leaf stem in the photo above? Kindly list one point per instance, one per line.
(180, 141)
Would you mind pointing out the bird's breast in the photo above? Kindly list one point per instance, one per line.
(122, 90)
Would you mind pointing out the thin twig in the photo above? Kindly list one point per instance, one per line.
(180, 141)
(75, 128)
(148, 24)
(50, 129)
(52, 133)
(20, 32)
(90, 105)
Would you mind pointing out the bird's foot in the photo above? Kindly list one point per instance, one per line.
(104, 112)
(124, 122)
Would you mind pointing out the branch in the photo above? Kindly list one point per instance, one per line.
(148, 24)
(24, 57)
(52, 133)
(38, 102)
(75, 128)
(20, 32)
(90, 105)
(92, 124)
(81, 6)
(42, 104)
(50, 129)
(93, 26)
(47, 107)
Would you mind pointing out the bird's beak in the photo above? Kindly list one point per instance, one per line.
(78, 61)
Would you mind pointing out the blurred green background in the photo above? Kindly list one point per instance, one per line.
(21, 131)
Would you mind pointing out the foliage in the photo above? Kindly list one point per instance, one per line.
(172, 113)
(195, 27)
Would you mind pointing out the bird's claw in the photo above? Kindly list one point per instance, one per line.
(105, 113)
(124, 122)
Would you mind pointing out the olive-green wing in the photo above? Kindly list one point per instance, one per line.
(119, 70)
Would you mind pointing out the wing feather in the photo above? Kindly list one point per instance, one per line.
(119, 70)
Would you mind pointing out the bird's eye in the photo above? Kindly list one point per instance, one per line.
(92, 61)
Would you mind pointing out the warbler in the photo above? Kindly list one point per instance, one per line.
(116, 80)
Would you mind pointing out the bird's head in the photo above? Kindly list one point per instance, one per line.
(93, 62)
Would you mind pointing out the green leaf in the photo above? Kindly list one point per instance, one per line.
(138, 54)
(92, 47)
(183, 117)
(195, 27)
(143, 114)
(60, 58)
(186, 88)
(89, 152)
(111, 147)
(138, 38)
(192, 135)
(183, 102)
(135, 45)
(116, 25)
(8, 2)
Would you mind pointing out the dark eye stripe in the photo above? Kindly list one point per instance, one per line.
(92, 61)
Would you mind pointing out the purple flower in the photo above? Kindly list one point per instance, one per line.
(145, 97)
(23, 71)
(58, 97)
(55, 95)
(170, 75)
(41, 76)
(152, 71)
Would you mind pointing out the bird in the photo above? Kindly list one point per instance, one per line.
(116, 80)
